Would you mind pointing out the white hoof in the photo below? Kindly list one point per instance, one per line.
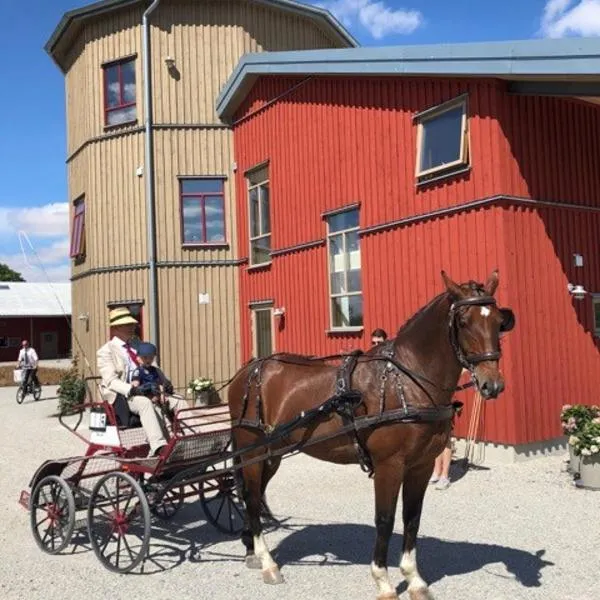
(272, 576)
(420, 594)
(253, 562)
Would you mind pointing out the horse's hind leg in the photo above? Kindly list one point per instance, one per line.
(413, 493)
(269, 469)
(388, 477)
(253, 476)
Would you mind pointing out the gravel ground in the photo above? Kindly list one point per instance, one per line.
(506, 533)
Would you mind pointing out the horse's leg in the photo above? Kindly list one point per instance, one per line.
(388, 477)
(252, 475)
(413, 493)
(269, 469)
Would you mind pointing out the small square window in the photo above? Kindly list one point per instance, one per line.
(442, 139)
(119, 93)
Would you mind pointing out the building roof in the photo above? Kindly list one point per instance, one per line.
(76, 17)
(35, 299)
(571, 65)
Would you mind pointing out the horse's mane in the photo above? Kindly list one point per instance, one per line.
(474, 287)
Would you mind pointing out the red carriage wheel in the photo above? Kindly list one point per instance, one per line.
(221, 501)
(52, 513)
(119, 522)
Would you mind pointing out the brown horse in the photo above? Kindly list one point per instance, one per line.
(418, 369)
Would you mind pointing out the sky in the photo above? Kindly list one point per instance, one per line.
(34, 197)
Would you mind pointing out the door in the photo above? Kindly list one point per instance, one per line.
(49, 345)
(262, 325)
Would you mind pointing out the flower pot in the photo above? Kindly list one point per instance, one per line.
(574, 461)
(589, 471)
(207, 398)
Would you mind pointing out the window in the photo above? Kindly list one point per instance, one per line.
(259, 216)
(344, 270)
(78, 230)
(442, 140)
(202, 211)
(262, 326)
(119, 92)
(596, 307)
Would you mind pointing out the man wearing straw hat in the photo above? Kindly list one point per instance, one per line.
(116, 362)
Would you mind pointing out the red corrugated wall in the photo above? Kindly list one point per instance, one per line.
(333, 142)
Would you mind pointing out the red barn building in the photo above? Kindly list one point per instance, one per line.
(366, 171)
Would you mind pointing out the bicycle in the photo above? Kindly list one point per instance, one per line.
(23, 390)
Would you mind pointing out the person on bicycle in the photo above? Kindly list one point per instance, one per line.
(28, 361)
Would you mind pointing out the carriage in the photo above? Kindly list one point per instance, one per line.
(113, 490)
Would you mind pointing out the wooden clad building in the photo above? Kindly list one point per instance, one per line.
(406, 161)
(153, 203)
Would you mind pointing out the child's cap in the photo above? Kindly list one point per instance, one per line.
(146, 349)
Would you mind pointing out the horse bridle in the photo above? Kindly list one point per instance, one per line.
(469, 361)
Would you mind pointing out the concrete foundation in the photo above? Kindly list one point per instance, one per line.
(488, 453)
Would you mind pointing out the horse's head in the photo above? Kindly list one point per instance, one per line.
(476, 324)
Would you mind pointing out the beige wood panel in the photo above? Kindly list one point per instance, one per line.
(206, 40)
(191, 152)
(199, 339)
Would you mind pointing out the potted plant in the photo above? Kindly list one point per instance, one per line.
(204, 392)
(573, 417)
(586, 445)
(71, 391)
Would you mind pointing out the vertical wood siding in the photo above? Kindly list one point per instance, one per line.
(354, 141)
(206, 39)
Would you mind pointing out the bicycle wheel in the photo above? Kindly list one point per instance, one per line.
(20, 395)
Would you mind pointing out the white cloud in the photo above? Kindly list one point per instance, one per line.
(49, 220)
(564, 17)
(378, 18)
(44, 263)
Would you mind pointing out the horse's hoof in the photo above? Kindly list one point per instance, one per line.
(388, 596)
(253, 562)
(272, 576)
(420, 594)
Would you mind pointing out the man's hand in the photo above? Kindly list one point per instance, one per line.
(168, 387)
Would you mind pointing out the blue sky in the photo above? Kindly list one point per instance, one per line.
(33, 190)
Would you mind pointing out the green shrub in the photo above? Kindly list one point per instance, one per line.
(71, 391)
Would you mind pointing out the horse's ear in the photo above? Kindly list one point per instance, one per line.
(453, 288)
(492, 283)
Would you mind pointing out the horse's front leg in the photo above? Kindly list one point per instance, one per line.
(253, 500)
(388, 477)
(413, 493)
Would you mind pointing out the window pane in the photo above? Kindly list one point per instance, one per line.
(215, 219)
(121, 115)
(337, 264)
(597, 314)
(353, 261)
(254, 223)
(191, 210)
(343, 220)
(340, 311)
(356, 311)
(261, 250)
(265, 217)
(441, 139)
(201, 186)
(264, 339)
(112, 91)
(128, 77)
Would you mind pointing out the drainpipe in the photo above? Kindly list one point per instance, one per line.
(149, 177)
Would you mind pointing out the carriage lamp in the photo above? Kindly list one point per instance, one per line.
(577, 291)
(170, 62)
(279, 312)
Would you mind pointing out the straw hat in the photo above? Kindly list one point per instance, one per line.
(121, 316)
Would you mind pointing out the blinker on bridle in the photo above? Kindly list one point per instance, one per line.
(469, 362)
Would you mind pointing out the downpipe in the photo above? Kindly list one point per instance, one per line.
(149, 177)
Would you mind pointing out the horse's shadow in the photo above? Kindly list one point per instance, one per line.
(352, 543)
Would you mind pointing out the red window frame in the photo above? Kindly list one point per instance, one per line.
(201, 197)
(122, 104)
(78, 229)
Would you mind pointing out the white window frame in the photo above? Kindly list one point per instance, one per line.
(255, 181)
(595, 301)
(431, 114)
(331, 234)
(264, 306)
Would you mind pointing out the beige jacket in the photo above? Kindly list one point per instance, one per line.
(112, 368)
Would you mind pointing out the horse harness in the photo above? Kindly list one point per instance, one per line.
(346, 400)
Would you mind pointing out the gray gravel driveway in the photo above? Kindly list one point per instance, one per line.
(505, 533)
